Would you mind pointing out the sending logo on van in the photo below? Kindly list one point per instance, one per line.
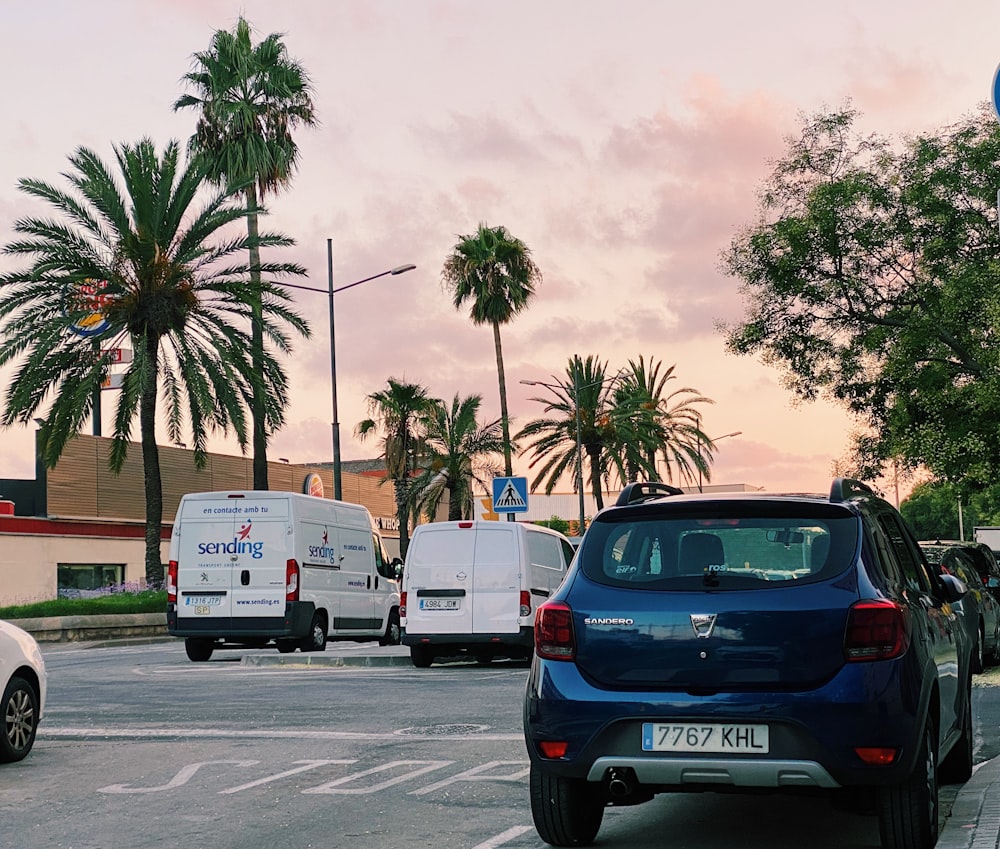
(324, 551)
(240, 544)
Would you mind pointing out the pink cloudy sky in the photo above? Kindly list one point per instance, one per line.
(622, 140)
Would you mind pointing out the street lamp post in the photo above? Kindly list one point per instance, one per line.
(712, 442)
(330, 291)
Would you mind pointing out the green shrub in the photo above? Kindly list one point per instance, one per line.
(145, 601)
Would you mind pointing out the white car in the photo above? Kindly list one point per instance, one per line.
(22, 677)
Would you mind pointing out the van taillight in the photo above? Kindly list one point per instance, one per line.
(525, 603)
(554, 638)
(402, 605)
(876, 630)
(172, 582)
(291, 581)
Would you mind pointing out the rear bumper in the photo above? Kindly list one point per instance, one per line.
(813, 734)
(523, 638)
(295, 623)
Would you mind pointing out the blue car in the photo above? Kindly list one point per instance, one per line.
(748, 642)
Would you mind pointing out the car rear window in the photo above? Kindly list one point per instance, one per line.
(727, 546)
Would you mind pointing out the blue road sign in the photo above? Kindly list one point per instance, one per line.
(996, 91)
(510, 495)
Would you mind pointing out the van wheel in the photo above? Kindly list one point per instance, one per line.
(199, 650)
(421, 656)
(484, 658)
(566, 811)
(286, 646)
(392, 631)
(908, 811)
(315, 640)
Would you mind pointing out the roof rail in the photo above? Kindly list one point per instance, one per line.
(645, 491)
(843, 488)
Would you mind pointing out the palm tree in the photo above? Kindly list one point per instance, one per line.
(167, 285)
(581, 398)
(397, 411)
(495, 272)
(459, 455)
(650, 423)
(250, 98)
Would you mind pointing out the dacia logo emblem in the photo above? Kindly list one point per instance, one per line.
(703, 624)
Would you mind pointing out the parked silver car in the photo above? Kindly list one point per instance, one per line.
(22, 676)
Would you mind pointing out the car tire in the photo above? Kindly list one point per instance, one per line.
(566, 811)
(315, 638)
(20, 720)
(392, 631)
(198, 650)
(908, 811)
(421, 656)
(956, 768)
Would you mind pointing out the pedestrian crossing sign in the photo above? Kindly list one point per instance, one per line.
(510, 495)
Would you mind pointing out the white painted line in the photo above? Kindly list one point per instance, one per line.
(334, 787)
(503, 837)
(477, 774)
(308, 766)
(45, 732)
(182, 777)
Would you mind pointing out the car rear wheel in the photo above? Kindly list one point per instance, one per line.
(979, 651)
(566, 811)
(421, 656)
(199, 650)
(315, 639)
(392, 632)
(908, 811)
(20, 720)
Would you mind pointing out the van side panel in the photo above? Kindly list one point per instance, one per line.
(546, 565)
(318, 545)
(357, 571)
(496, 582)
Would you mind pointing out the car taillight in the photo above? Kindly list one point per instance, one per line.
(402, 604)
(876, 630)
(172, 582)
(554, 637)
(291, 581)
(525, 603)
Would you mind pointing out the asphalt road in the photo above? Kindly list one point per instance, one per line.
(141, 748)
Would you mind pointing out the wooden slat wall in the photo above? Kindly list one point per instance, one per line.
(82, 485)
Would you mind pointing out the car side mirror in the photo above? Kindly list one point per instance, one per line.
(953, 588)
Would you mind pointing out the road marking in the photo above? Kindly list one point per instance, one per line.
(308, 766)
(335, 785)
(476, 774)
(46, 732)
(503, 837)
(182, 777)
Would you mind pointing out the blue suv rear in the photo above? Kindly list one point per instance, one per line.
(748, 642)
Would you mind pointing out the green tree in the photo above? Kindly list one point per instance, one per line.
(397, 411)
(162, 273)
(495, 273)
(870, 279)
(250, 98)
(459, 456)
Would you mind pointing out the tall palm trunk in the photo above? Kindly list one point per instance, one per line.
(505, 421)
(151, 462)
(594, 456)
(402, 488)
(257, 404)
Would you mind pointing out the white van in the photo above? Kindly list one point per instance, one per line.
(256, 568)
(472, 587)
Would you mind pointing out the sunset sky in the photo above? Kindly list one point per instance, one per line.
(623, 140)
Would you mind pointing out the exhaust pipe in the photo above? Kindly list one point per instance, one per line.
(621, 782)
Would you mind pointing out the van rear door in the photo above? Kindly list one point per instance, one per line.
(496, 581)
(438, 578)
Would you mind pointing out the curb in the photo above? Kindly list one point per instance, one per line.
(329, 661)
(64, 629)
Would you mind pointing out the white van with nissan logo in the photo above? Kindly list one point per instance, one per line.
(471, 588)
(258, 568)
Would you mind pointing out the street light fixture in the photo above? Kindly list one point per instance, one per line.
(330, 291)
(712, 442)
